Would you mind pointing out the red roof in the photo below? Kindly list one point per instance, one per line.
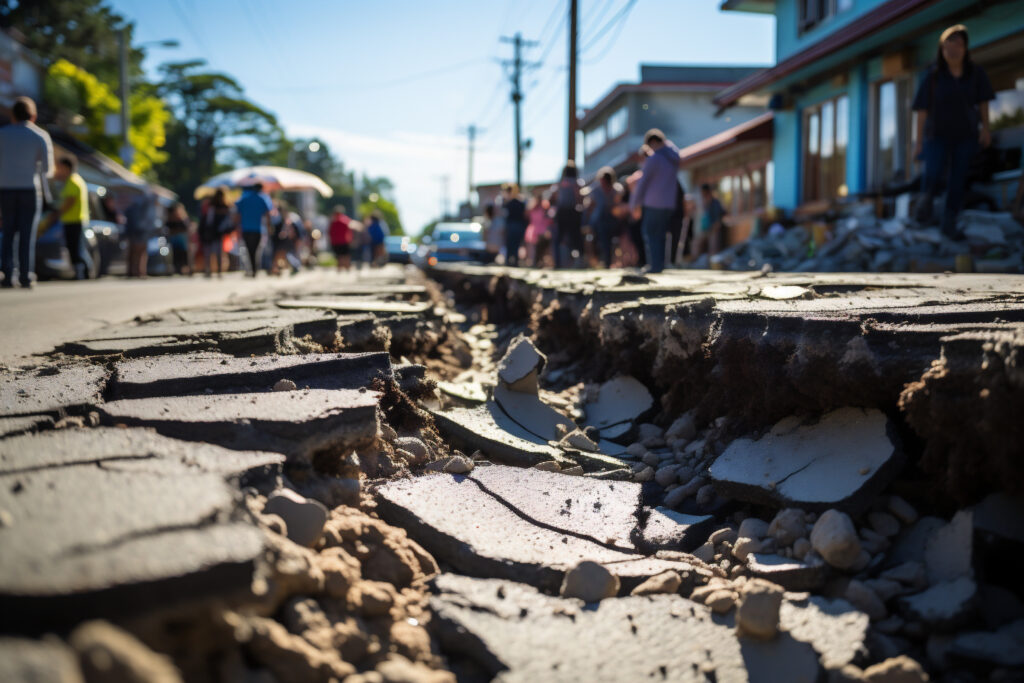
(757, 128)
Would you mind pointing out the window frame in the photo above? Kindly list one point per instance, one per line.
(822, 178)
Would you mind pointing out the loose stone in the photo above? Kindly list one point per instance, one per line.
(590, 582)
(666, 582)
(284, 385)
(835, 539)
(758, 612)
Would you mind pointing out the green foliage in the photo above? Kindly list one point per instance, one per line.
(387, 210)
(84, 32)
(76, 91)
(1010, 120)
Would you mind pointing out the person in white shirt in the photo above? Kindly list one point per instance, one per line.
(26, 162)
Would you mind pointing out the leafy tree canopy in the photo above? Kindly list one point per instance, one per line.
(387, 210)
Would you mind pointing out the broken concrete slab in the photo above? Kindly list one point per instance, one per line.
(667, 529)
(841, 461)
(521, 366)
(533, 415)
(459, 522)
(50, 390)
(948, 552)
(944, 605)
(358, 305)
(38, 661)
(518, 634)
(834, 628)
(1001, 648)
(473, 393)
(136, 348)
(299, 424)
(623, 399)
(97, 538)
(488, 429)
(791, 574)
(195, 374)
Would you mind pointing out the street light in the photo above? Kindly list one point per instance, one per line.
(127, 153)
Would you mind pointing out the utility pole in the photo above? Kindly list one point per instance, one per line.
(573, 14)
(517, 65)
(127, 153)
(471, 132)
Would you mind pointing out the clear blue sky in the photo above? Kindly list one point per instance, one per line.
(389, 84)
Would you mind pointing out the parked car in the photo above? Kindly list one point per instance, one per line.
(53, 260)
(451, 241)
(400, 248)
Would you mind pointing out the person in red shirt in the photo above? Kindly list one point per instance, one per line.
(341, 238)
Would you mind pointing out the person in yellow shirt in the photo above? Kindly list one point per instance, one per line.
(73, 212)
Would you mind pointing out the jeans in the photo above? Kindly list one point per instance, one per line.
(605, 230)
(19, 210)
(252, 246)
(655, 227)
(73, 241)
(942, 157)
(514, 233)
(567, 230)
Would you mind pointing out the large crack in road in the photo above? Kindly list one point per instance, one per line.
(525, 476)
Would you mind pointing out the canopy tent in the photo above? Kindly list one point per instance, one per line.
(271, 177)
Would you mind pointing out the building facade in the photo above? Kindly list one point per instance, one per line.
(845, 77)
(676, 99)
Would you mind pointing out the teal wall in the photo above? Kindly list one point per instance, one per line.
(995, 23)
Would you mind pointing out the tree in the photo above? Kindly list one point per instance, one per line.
(387, 210)
(78, 93)
(214, 125)
(84, 32)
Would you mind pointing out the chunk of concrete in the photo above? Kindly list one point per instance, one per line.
(358, 305)
(199, 373)
(1001, 648)
(620, 400)
(835, 539)
(944, 605)
(948, 552)
(522, 364)
(834, 628)
(38, 661)
(793, 575)
(50, 390)
(473, 393)
(488, 429)
(136, 348)
(533, 415)
(841, 461)
(516, 633)
(590, 582)
(667, 529)
(296, 423)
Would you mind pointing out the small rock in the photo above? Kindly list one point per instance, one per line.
(787, 526)
(665, 475)
(835, 539)
(903, 510)
(705, 494)
(884, 524)
(723, 535)
(108, 653)
(752, 527)
(574, 471)
(284, 385)
(705, 553)
(646, 474)
(548, 466)
(665, 582)
(909, 574)
(865, 599)
(651, 459)
(872, 541)
(885, 589)
(415, 447)
(388, 432)
(304, 518)
(721, 601)
(637, 450)
(948, 550)
(590, 582)
(456, 464)
(801, 547)
(682, 428)
(900, 669)
(650, 431)
(758, 612)
(744, 546)
(861, 563)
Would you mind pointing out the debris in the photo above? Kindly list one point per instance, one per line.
(304, 519)
(900, 669)
(670, 530)
(835, 539)
(590, 582)
(787, 526)
(109, 653)
(792, 575)
(521, 366)
(866, 600)
(284, 385)
(758, 612)
(682, 428)
(619, 401)
(944, 605)
(456, 464)
(665, 582)
(949, 550)
(903, 510)
(1003, 648)
(839, 461)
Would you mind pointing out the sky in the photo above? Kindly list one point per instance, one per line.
(392, 85)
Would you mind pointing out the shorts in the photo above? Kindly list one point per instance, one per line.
(341, 249)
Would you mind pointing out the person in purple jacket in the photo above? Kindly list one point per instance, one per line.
(654, 198)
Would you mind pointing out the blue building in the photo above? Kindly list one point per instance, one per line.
(844, 79)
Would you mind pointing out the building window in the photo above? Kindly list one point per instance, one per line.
(594, 139)
(892, 132)
(813, 12)
(617, 123)
(826, 135)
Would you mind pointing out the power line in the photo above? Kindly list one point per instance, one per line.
(610, 44)
(554, 39)
(619, 16)
(374, 85)
(598, 16)
(551, 17)
(187, 23)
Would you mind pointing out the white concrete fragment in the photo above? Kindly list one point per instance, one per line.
(948, 550)
(520, 362)
(304, 518)
(620, 400)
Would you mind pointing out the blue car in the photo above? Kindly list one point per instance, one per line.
(450, 241)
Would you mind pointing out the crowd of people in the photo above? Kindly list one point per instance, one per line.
(645, 220)
(362, 240)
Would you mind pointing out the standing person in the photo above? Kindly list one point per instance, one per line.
(633, 223)
(215, 222)
(710, 222)
(179, 228)
(602, 213)
(73, 212)
(340, 233)
(538, 231)
(568, 217)
(675, 224)
(952, 120)
(376, 232)
(655, 196)
(26, 162)
(286, 236)
(139, 219)
(253, 217)
(515, 224)
(495, 237)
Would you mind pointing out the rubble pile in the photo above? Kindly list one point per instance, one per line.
(859, 242)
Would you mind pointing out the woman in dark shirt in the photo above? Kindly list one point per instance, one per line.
(515, 224)
(952, 120)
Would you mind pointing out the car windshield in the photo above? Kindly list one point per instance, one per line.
(457, 233)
